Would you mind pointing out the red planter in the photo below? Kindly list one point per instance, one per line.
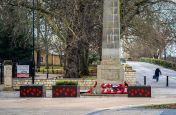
(65, 91)
(139, 91)
(32, 91)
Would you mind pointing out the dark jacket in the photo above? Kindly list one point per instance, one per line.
(157, 72)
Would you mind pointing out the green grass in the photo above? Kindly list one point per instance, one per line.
(60, 70)
(163, 106)
(50, 67)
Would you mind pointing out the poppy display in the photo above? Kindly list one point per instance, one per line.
(139, 91)
(32, 91)
(65, 91)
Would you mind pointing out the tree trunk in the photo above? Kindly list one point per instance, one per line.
(165, 54)
(72, 60)
(83, 56)
(46, 49)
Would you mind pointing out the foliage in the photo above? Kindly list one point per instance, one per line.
(15, 41)
(150, 30)
(65, 82)
(7, 62)
(78, 25)
(160, 62)
(93, 58)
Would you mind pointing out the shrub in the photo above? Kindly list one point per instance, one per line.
(160, 62)
(64, 82)
(50, 71)
(8, 62)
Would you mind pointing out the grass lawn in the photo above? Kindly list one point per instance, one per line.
(164, 106)
(59, 67)
(60, 70)
(50, 67)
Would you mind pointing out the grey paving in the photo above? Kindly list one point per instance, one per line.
(146, 69)
(135, 111)
(131, 111)
(60, 111)
(55, 111)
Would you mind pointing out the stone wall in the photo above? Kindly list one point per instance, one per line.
(129, 74)
(84, 84)
(130, 77)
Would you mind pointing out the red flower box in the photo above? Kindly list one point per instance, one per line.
(65, 91)
(32, 91)
(139, 91)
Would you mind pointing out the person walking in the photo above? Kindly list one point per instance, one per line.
(157, 74)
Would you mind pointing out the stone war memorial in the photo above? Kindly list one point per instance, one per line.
(110, 70)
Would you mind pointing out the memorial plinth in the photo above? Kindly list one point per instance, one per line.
(110, 70)
(8, 75)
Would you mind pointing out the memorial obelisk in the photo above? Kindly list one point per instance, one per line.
(109, 71)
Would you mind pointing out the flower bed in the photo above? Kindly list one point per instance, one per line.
(32, 91)
(66, 89)
(139, 91)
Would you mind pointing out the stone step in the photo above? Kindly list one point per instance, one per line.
(1, 87)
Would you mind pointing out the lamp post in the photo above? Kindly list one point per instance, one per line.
(52, 60)
(33, 58)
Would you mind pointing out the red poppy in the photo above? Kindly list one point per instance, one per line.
(56, 89)
(142, 90)
(68, 89)
(57, 94)
(132, 94)
(136, 91)
(34, 90)
(24, 94)
(32, 93)
(65, 93)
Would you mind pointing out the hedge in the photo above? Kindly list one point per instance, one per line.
(164, 63)
(65, 82)
(92, 71)
(50, 71)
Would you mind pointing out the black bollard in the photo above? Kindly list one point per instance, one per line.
(144, 80)
(167, 81)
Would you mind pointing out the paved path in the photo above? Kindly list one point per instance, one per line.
(11, 104)
(135, 111)
(146, 69)
(74, 106)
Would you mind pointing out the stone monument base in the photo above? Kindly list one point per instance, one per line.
(109, 74)
(8, 89)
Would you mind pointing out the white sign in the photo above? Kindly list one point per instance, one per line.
(22, 70)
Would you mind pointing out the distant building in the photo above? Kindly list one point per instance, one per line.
(53, 58)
